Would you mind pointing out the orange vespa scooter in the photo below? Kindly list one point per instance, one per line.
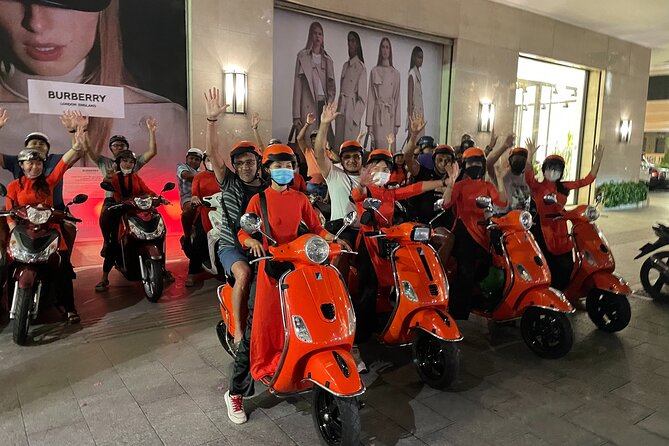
(593, 274)
(413, 291)
(525, 292)
(319, 326)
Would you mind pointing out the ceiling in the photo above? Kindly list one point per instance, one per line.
(644, 22)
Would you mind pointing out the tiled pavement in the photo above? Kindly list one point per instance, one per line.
(140, 373)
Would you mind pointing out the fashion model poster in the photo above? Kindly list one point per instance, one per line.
(139, 46)
(377, 79)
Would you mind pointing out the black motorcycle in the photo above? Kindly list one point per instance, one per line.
(654, 272)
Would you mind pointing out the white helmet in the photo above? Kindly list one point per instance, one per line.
(195, 151)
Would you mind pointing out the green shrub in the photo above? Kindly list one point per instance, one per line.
(665, 160)
(618, 194)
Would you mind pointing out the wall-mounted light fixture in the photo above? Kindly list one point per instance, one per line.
(234, 91)
(625, 130)
(486, 116)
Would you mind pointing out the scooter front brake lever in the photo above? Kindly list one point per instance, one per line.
(259, 259)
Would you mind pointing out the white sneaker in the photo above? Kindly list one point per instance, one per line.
(362, 367)
(235, 404)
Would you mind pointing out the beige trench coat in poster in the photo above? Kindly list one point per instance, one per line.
(383, 104)
(304, 92)
(352, 99)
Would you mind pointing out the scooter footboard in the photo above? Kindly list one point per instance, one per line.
(335, 371)
(608, 282)
(438, 324)
(548, 298)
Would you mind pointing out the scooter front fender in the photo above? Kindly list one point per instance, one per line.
(151, 251)
(548, 298)
(606, 281)
(335, 371)
(437, 324)
(24, 276)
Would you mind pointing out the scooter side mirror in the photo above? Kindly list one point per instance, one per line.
(438, 205)
(3, 190)
(599, 198)
(106, 185)
(250, 223)
(483, 202)
(80, 198)
(168, 186)
(550, 199)
(350, 218)
(371, 204)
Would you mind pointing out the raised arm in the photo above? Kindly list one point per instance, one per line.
(255, 121)
(390, 139)
(416, 125)
(79, 147)
(214, 109)
(495, 154)
(329, 114)
(302, 136)
(152, 125)
(599, 154)
(3, 120)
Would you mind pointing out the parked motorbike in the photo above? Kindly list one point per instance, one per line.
(413, 298)
(593, 274)
(32, 255)
(206, 248)
(319, 324)
(141, 238)
(654, 272)
(518, 285)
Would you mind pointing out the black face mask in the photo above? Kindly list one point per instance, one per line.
(517, 167)
(474, 172)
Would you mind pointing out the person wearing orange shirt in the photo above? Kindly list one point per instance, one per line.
(285, 209)
(472, 242)
(372, 184)
(316, 183)
(552, 234)
(34, 188)
(126, 185)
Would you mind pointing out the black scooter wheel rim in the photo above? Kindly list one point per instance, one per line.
(329, 422)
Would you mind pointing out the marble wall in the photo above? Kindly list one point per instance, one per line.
(489, 38)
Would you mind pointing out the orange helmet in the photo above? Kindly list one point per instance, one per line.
(278, 152)
(443, 149)
(350, 146)
(473, 153)
(381, 155)
(553, 161)
(243, 147)
(518, 151)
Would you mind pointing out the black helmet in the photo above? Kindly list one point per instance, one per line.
(426, 141)
(29, 155)
(118, 138)
(125, 154)
(467, 144)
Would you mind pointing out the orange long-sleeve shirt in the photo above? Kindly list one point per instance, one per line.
(20, 192)
(204, 185)
(138, 186)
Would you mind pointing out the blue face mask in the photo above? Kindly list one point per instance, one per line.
(282, 176)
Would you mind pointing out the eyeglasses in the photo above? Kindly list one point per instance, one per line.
(118, 146)
(249, 164)
(353, 156)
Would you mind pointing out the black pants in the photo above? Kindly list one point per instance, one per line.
(473, 265)
(364, 304)
(242, 382)
(196, 247)
(112, 219)
(561, 265)
(62, 279)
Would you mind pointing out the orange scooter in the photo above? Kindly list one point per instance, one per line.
(413, 291)
(524, 290)
(319, 326)
(593, 274)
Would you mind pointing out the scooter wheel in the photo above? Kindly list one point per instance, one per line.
(337, 419)
(153, 282)
(547, 333)
(609, 311)
(24, 300)
(651, 278)
(437, 361)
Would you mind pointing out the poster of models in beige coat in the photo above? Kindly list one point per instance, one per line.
(373, 76)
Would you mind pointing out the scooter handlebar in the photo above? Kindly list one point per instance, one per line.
(258, 259)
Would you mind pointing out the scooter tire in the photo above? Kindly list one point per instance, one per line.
(153, 287)
(437, 361)
(610, 312)
(24, 300)
(337, 419)
(547, 333)
(654, 290)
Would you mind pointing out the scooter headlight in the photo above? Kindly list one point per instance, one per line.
(317, 249)
(420, 234)
(144, 235)
(301, 330)
(409, 292)
(591, 213)
(351, 321)
(38, 216)
(19, 252)
(525, 220)
(522, 272)
(144, 203)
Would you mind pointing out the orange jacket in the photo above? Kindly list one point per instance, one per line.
(20, 192)
(204, 185)
(138, 186)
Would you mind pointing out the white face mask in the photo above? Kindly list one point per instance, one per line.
(208, 166)
(381, 178)
(552, 175)
(126, 171)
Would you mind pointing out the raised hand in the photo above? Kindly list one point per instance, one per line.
(366, 177)
(329, 113)
(79, 120)
(67, 119)
(311, 119)
(152, 124)
(599, 153)
(80, 142)
(493, 140)
(213, 106)
(4, 117)
(531, 147)
(416, 124)
(453, 171)
(508, 141)
(255, 120)
(361, 135)
(390, 139)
